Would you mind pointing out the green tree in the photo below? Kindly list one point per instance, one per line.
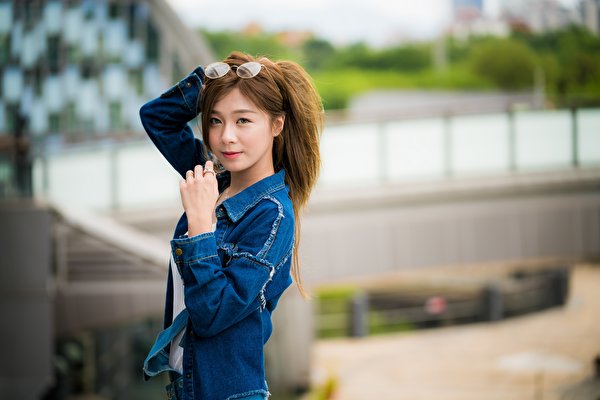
(409, 58)
(261, 44)
(570, 59)
(508, 63)
(317, 53)
(405, 58)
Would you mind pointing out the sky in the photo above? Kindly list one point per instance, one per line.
(378, 22)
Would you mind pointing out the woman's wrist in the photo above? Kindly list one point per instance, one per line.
(198, 225)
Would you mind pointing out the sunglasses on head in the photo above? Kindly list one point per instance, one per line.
(219, 69)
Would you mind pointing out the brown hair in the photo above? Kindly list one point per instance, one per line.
(281, 88)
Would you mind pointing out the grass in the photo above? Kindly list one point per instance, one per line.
(339, 86)
(335, 301)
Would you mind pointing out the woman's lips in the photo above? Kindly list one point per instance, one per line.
(231, 154)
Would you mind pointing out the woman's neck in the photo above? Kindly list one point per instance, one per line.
(242, 180)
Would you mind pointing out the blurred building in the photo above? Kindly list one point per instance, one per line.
(470, 20)
(590, 15)
(79, 70)
(467, 9)
(539, 15)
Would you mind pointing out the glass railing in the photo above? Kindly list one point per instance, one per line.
(134, 174)
(437, 148)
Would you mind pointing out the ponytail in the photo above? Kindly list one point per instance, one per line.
(296, 149)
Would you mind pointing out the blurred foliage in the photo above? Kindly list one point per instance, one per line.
(256, 44)
(567, 61)
(326, 391)
(338, 86)
(379, 323)
(334, 300)
(336, 292)
(508, 63)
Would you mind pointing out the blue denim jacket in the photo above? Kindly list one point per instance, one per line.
(234, 277)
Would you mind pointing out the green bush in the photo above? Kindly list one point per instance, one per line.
(568, 60)
(508, 63)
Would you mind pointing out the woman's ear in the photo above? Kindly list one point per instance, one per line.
(278, 125)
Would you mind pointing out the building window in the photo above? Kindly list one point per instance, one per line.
(4, 49)
(114, 11)
(71, 117)
(54, 123)
(73, 55)
(53, 54)
(11, 117)
(88, 125)
(152, 44)
(116, 116)
(136, 80)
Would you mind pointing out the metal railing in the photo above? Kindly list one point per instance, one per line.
(390, 151)
(132, 173)
(371, 311)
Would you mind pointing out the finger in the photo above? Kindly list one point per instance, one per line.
(189, 175)
(198, 170)
(209, 169)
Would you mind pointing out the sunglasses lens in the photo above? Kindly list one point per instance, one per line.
(216, 70)
(249, 69)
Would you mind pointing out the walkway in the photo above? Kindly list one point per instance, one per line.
(543, 356)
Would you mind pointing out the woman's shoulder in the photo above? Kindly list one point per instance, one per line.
(274, 205)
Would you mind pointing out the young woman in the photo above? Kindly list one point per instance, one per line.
(235, 248)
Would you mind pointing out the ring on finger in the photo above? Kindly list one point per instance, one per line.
(209, 171)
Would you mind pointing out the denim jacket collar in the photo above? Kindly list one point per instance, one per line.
(238, 205)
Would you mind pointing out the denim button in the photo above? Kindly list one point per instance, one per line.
(188, 84)
(178, 252)
(188, 375)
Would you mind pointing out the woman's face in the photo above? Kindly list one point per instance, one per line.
(241, 135)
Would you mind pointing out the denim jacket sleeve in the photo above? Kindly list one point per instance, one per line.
(218, 296)
(166, 118)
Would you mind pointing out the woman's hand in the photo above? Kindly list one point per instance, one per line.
(199, 194)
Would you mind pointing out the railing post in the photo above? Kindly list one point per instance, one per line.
(512, 140)
(113, 177)
(448, 159)
(359, 315)
(559, 284)
(574, 137)
(45, 174)
(382, 164)
(493, 305)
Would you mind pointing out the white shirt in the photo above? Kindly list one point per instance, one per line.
(176, 353)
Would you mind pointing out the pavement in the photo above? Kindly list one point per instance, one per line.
(546, 355)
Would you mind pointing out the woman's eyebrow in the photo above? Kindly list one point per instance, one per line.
(244, 111)
(240, 111)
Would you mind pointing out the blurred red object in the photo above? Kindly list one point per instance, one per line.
(436, 305)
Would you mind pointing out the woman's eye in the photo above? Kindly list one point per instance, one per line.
(214, 121)
(243, 121)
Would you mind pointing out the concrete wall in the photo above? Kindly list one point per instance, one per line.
(26, 337)
(394, 231)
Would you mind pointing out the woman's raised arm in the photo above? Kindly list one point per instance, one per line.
(166, 118)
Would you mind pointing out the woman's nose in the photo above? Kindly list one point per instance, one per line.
(229, 135)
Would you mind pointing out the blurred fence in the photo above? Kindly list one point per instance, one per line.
(129, 174)
(435, 148)
(363, 312)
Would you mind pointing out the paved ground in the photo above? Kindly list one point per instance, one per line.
(547, 356)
